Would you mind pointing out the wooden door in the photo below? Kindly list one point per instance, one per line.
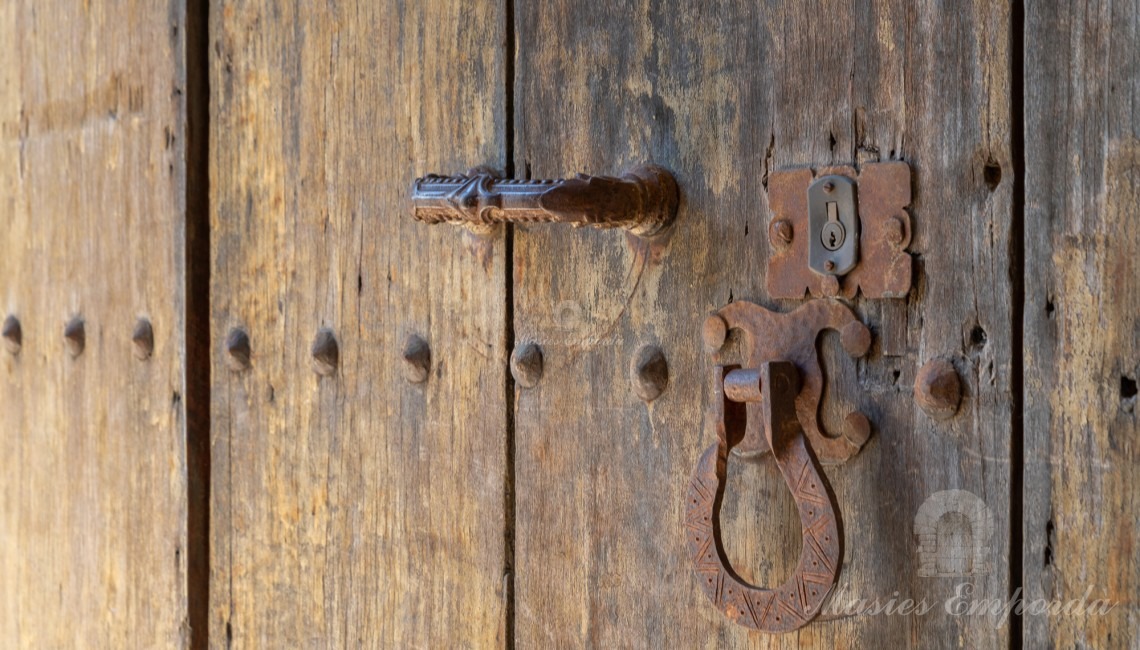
(325, 446)
(352, 507)
(1081, 320)
(97, 398)
(726, 94)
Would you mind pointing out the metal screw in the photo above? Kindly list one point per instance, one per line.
(829, 265)
(714, 332)
(526, 365)
(326, 352)
(829, 187)
(782, 233)
(238, 353)
(649, 373)
(75, 335)
(937, 389)
(143, 338)
(13, 334)
(417, 359)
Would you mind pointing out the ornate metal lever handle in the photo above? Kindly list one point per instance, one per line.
(795, 603)
(642, 201)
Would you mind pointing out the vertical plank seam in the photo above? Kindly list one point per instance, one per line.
(197, 321)
(509, 336)
(1017, 315)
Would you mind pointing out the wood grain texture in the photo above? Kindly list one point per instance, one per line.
(1082, 320)
(92, 203)
(723, 93)
(355, 509)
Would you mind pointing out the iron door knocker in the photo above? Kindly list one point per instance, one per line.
(779, 390)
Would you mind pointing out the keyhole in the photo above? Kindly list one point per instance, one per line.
(833, 233)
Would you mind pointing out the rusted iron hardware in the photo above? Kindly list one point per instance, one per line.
(833, 225)
(769, 402)
(642, 201)
(938, 389)
(773, 336)
(838, 232)
(773, 387)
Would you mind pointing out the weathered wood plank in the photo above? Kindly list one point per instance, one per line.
(93, 534)
(723, 93)
(357, 508)
(1082, 320)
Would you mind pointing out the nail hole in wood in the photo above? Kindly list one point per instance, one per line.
(991, 173)
(978, 337)
(1127, 387)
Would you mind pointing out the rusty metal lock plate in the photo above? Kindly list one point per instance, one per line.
(833, 222)
(879, 266)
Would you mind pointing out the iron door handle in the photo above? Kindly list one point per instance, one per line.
(642, 201)
(798, 600)
(780, 385)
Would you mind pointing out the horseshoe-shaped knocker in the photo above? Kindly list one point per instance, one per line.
(776, 387)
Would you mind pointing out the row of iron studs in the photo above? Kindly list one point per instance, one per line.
(75, 336)
(649, 373)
